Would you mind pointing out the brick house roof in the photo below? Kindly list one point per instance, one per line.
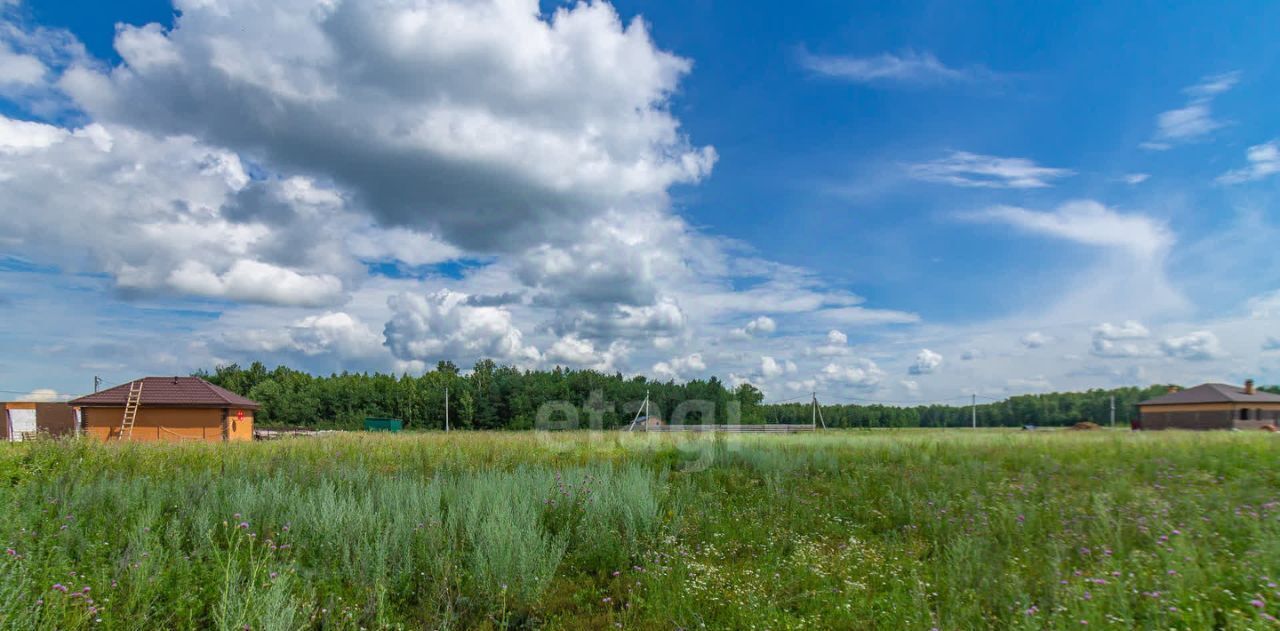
(1213, 393)
(190, 392)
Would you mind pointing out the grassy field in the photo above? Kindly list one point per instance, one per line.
(846, 530)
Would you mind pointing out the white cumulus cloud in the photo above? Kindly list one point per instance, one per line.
(926, 362)
(1196, 346)
(1034, 339)
(443, 326)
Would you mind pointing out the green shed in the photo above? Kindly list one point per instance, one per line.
(383, 424)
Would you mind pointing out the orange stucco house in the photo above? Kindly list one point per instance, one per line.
(170, 408)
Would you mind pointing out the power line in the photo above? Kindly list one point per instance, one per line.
(781, 401)
(892, 402)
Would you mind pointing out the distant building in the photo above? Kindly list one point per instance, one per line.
(169, 408)
(646, 422)
(1211, 406)
(22, 420)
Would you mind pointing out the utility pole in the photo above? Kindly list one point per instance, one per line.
(973, 406)
(97, 381)
(446, 408)
(1113, 410)
(641, 412)
(817, 414)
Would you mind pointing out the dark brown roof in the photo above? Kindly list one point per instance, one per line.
(1213, 393)
(192, 392)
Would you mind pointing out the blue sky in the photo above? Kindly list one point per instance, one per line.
(906, 203)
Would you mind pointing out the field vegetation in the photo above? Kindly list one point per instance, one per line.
(895, 529)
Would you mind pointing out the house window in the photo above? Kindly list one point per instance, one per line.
(1244, 414)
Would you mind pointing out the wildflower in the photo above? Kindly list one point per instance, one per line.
(606, 600)
(244, 525)
(273, 575)
(59, 587)
(86, 589)
(1032, 610)
(11, 552)
(617, 572)
(1256, 602)
(1088, 596)
(1172, 572)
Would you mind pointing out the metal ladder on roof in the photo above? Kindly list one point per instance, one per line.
(131, 409)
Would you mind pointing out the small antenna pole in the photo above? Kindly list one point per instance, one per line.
(446, 408)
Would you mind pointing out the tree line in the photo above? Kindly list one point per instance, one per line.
(493, 396)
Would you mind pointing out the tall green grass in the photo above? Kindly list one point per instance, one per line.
(858, 530)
